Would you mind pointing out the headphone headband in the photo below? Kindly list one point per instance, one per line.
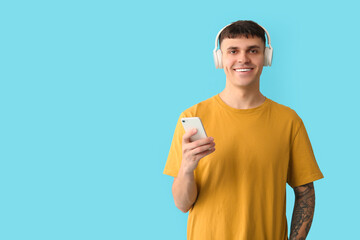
(218, 55)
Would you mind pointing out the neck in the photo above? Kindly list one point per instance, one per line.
(242, 97)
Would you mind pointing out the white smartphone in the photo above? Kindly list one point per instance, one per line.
(194, 122)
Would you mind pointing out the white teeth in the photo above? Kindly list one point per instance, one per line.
(243, 70)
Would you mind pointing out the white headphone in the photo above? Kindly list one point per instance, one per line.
(217, 52)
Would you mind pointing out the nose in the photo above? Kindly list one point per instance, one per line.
(243, 57)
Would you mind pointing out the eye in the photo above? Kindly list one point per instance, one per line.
(233, 51)
(254, 51)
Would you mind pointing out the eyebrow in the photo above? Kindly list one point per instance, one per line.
(249, 47)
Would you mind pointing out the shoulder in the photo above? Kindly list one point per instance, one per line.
(200, 107)
(284, 112)
(286, 116)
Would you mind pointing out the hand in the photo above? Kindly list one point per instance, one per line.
(192, 152)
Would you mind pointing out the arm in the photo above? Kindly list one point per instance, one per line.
(184, 187)
(303, 211)
(184, 190)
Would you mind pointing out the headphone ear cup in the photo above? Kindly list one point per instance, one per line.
(268, 56)
(215, 59)
(219, 59)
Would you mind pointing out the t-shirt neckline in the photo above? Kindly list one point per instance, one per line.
(242, 111)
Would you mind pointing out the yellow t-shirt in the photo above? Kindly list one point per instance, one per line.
(242, 185)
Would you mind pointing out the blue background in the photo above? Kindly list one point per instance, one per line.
(90, 92)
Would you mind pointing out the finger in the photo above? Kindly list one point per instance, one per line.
(201, 142)
(202, 148)
(204, 154)
(193, 146)
(188, 134)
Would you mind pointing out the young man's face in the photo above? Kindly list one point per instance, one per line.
(243, 60)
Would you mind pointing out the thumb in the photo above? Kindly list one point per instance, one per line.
(188, 134)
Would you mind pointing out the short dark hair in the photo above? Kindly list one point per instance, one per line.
(242, 28)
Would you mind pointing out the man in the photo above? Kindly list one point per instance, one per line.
(238, 191)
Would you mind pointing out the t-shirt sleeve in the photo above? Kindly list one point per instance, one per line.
(303, 167)
(173, 162)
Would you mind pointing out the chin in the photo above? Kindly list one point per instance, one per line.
(243, 84)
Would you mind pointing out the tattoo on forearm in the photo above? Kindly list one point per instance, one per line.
(303, 211)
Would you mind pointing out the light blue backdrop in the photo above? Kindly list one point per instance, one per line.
(90, 92)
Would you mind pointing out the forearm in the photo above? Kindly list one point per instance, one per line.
(184, 190)
(303, 212)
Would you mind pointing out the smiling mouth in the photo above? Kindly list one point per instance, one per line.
(243, 69)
